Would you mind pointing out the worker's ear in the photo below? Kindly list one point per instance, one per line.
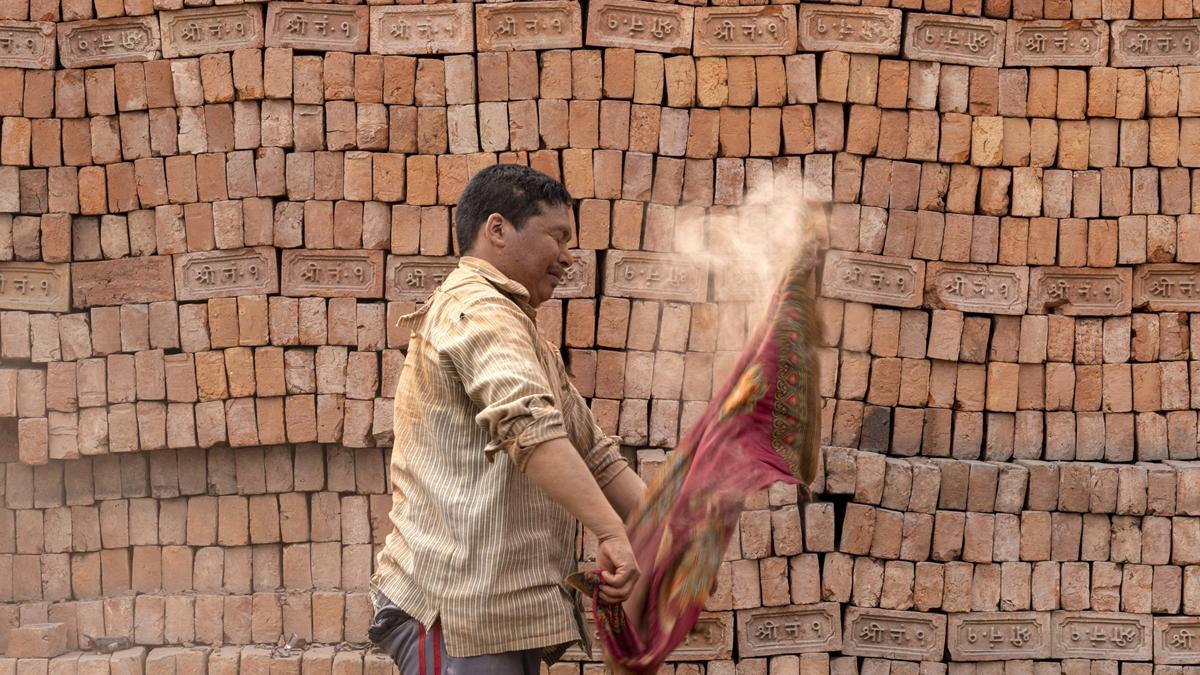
(493, 230)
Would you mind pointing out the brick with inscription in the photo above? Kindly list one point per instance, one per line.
(862, 30)
(971, 41)
(540, 24)
(730, 31)
(411, 278)
(27, 44)
(422, 29)
(658, 276)
(1102, 635)
(863, 277)
(911, 636)
(1176, 639)
(983, 289)
(1080, 291)
(1155, 43)
(792, 629)
(121, 281)
(301, 25)
(711, 638)
(1166, 287)
(204, 30)
(100, 42)
(998, 636)
(35, 287)
(579, 280)
(332, 273)
(648, 26)
(1056, 43)
(228, 273)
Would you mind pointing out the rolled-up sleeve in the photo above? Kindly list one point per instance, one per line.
(490, 346)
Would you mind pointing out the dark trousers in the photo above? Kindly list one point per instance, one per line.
(418, 650)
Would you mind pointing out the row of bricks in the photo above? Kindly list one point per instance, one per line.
(956, 586)
(1026, 434)
(602, 223)
(611, 323)
(210, 619)
(256, 321)
(229, 660)
(895, 483)
(230, 520)
(928, 485)
(239, 422)
(698, 133)
(166, 474)
(1007, 165)
(269, 372)
(181, 570)
(879, 222)
(331, 418)
(1004, 387)
(1003, 537)
(950, 335)
(943, 536)
(72, 10)
(740, 584)
(348, 661)
(616, 74)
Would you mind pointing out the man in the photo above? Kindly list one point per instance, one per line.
(496, 455)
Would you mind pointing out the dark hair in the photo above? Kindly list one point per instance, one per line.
(514, 191)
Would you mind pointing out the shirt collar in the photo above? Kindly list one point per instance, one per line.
(513, 289)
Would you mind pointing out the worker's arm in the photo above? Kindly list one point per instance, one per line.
(625, 492)
(556, 467)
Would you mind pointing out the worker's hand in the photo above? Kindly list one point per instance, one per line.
(618, 568)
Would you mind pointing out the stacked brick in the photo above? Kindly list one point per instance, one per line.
(212, 215)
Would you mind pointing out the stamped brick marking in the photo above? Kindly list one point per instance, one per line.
(711, 638)
(556, 24)
(955, 39)
(1080, 291)
(422, 29)
(412, 278)
(656, 276)
(1056, 43)
(1155, 43)
(1177, 640)
(1102, 635)
(1167, 287)
(579, 280)
(873, 278)
(998, 636)
(203, 30)
(864, 30)
(989, 289)
(102, 42)
(649, 26)
(310, 26)
(35, 287)
(219, 274)
(912, 636)
(722, 31)
(27, 44)
(333, 273)
(790, 630)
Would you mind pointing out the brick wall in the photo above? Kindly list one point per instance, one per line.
(211, 216)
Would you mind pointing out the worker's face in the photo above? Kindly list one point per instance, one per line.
(538, 252)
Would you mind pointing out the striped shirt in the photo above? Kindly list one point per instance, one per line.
(474, 541)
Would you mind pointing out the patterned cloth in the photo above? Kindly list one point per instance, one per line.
(475, 542)
(761, 427)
